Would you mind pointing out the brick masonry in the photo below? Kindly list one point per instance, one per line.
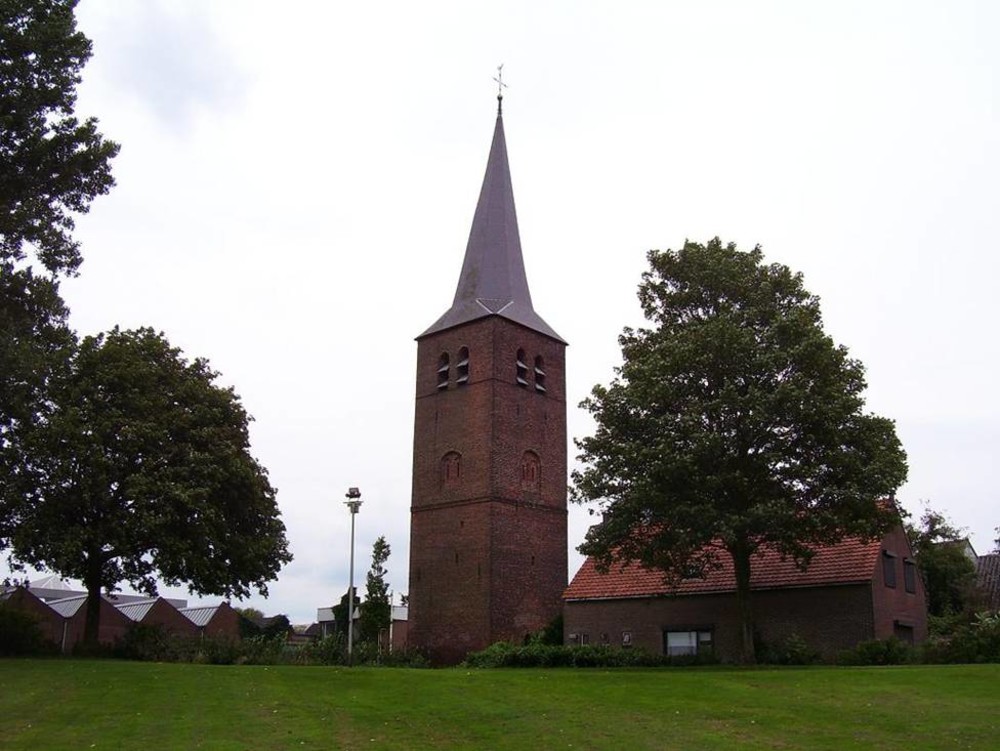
(488, 558)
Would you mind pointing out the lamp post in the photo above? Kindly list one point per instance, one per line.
(353, 503)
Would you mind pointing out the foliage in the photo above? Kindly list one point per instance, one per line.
(949, 575)
(377, 612)
(53, 164)
(251, 613)
(734, 421)
(340, 612)
(20, 634)
(793, 650)
(145, 642)
(132, 705)
(551, 635)
(977, 641)
(138, 467)
(537, 655)
(889, 651)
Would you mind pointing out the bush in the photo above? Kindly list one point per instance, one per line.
(20, 635)
(889, 651)
(535, 655)
(978, 641)
(792, 651)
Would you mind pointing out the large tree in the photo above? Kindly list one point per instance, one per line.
(377, 612)
(51, 167)
(139, 467)
(733, 424)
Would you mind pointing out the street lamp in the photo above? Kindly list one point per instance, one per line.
(353, 503)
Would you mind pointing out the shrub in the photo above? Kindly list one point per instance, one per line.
(505, 655)
(978, 641)
(147, 643)
(889, 651)
(20, 634)
(792, 651)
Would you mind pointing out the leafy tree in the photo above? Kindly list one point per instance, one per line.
(340, 612)
(54, 165)
(734, 423)
(139, 466)
(377, 612)
(51, 167)
(949, 574)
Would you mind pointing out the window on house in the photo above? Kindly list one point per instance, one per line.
(443, 372)
(462, 367)
(910, 576)
(451, 468)
(889, 568)
(694, 642)
(539, 375)
(522, 369)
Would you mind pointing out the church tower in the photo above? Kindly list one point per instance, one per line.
(488, 538)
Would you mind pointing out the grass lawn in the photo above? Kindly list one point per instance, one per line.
(81, 704)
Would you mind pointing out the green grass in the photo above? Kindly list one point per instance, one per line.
(79, 704)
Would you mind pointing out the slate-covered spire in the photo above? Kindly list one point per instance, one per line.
(493, 281)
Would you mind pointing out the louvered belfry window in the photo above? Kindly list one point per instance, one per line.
(522, 369)
(443, 371)
(462, 367)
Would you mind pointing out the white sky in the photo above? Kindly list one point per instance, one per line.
(297, 182)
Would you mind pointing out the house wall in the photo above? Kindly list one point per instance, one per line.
(828, 618)
(225, 622)
(488, 555)
(112, 625)
(170, 618)
(896, 611)
(50, 623)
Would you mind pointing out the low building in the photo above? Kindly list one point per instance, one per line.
(988, 579)
(214, 620)
(851, 592)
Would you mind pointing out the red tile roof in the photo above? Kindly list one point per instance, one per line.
(847, 562)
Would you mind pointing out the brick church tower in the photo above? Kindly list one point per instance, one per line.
(488, 538)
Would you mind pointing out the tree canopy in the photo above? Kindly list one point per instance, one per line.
(54, 165)
(734, 420)
(139, 466)
(377, 612)
(949, 574)
(51, 167)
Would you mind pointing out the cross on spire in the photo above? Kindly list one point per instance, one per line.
(500, 87)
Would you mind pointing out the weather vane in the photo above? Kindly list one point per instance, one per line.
(500, 87)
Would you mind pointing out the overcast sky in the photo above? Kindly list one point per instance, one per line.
(297, 182)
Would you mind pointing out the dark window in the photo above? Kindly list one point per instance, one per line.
(889, 568)
(692, 642)
(522, 369)
(462, 367)
(910, 576)
(539, 375)
(451, 468)
(444, 368)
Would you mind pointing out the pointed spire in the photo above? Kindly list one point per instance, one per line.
(493, 281)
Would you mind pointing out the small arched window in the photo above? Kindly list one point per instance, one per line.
(462, 367)
(539, 375)
(522, 369)
(443, 371)
(530, 470)
(451, 468)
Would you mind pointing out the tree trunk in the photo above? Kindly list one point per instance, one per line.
(740, 553)
(92, 620)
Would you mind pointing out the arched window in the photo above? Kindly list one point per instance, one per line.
(539, 375)
(462, 367)
(530, 470)
(444, 370)
(522, 369)
(451, 468)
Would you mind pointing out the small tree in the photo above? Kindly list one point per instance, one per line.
(377, 612)
(734, 420)
(140, 467)
(341, 612)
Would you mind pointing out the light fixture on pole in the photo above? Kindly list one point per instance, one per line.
(353, 503)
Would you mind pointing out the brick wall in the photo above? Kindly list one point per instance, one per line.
(894, 607)
(828, 618)
(488, 549)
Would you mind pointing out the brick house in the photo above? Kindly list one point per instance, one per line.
(488, 516)
(851, 592)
